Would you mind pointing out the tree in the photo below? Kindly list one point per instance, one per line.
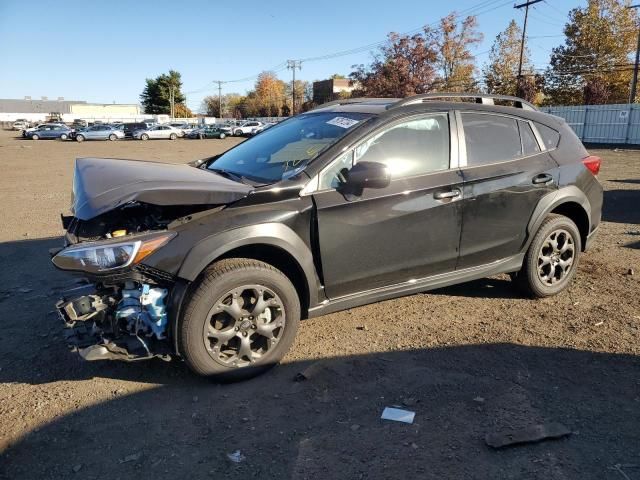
(501, 73)
(405, 66)
(453, 41)
(182, 111)
(593, 64)
(230, 105)
(302, 88)
(270, 92)
(155, 97)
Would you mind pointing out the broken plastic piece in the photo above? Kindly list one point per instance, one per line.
(236, 457)
(398, 415)
(531, 434)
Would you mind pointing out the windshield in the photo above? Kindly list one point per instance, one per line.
(285, 149)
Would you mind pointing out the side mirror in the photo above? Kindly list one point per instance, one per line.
(368, 175)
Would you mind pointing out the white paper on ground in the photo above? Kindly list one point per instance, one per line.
(398, 415)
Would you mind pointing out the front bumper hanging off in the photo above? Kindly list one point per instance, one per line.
(91, 330)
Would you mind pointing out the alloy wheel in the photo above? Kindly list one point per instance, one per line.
(244, 325)
(556, 257)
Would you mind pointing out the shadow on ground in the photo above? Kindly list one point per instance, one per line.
(621, 206)
(329, 425)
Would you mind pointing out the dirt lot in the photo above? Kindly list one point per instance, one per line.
(468, 360)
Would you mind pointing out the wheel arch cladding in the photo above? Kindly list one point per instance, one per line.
(272, 243)
(568, 201)
(578, 215)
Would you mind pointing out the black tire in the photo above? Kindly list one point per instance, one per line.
(144, 136)
(35, 137)
(202, 310)
(541, 278)
(173, 136)
(222, 136)
(79, 138)
(113, 137)
(63, 136)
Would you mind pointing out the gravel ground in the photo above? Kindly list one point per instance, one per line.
(468, 360)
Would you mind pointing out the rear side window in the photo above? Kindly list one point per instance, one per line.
(549, 136)
(529, 143)
(490, 138)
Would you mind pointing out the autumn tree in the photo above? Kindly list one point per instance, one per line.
(453, 41)
(182, 111)
(592, 66)
(155, 97)
(270, 94)
(230, 105)
(405, 66)
(500, 74)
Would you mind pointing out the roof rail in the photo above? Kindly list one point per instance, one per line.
(347, 101)
(486, 99)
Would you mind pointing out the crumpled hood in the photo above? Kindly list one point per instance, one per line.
(102, 184)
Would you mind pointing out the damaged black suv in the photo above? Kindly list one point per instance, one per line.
(354, 202)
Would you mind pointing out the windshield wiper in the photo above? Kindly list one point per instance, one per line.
(227, 174)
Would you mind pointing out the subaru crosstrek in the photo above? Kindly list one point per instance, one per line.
(354, 202)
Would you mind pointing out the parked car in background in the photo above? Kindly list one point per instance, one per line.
(246, 128)
(129, 128)
(78, 124)
(157, 132)
(28, 131)
(98, 132)
(259, 129)
(20, 124)
(227, 128)
(210, 131)
(183, 127)
(50, 131)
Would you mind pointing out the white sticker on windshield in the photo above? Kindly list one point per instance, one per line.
(343, 122)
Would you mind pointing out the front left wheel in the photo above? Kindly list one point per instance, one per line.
(239, 321)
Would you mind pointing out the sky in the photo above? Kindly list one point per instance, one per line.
(103, 51)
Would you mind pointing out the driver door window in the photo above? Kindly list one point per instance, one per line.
(410, 148)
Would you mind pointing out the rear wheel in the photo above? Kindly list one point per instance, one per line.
(144, 136)
(113, 137)
(239, 321)
(63, 136)
(173, 136)
(552, 259)
(222, 135)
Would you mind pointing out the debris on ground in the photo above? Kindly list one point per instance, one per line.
(398, 415)
(479, 399)
(309, 372)
(236, 457)
(631, 272)
(530, 434)
(77, 468)
(409, 401)
(132, 458)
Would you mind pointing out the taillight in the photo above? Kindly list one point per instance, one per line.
(592, 163)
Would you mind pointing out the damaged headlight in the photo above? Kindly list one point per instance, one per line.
(97, 257)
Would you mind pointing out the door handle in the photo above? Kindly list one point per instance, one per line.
(542, 179)
(455, 193)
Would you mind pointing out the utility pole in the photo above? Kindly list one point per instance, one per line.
(293, 64)
(634, 82)
(171, 96)
(219, 82)
(524, 34)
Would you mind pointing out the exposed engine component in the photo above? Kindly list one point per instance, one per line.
(126, 322)
(143, 309)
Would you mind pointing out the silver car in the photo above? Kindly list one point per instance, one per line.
(157, 132)
(99, 132)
